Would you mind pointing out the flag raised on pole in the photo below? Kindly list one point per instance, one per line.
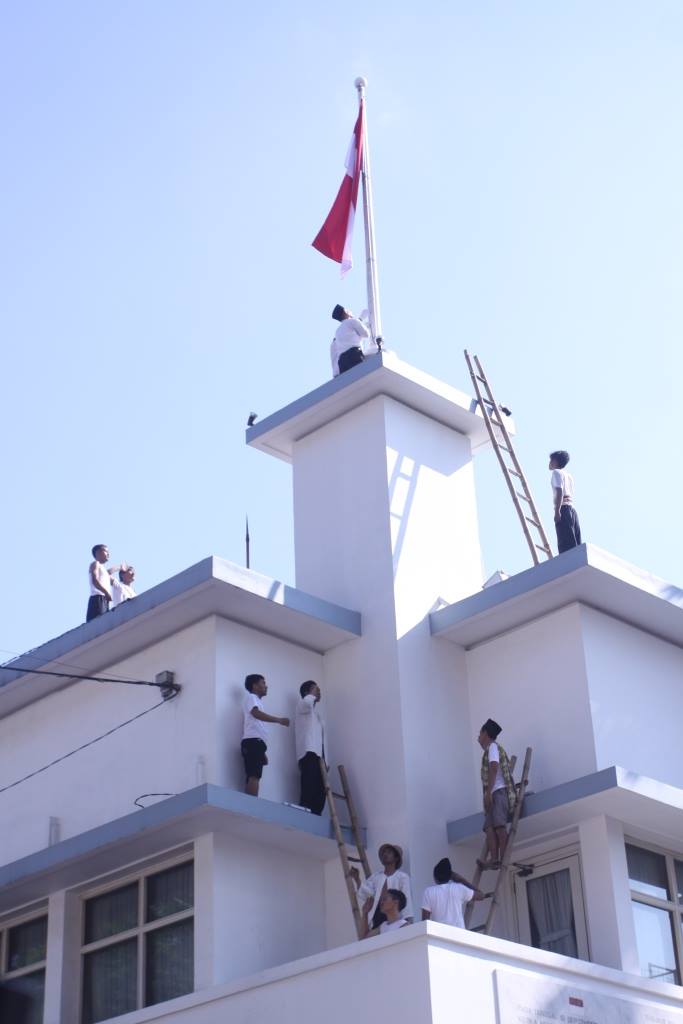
(334, 238)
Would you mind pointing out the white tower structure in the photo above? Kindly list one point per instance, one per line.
(139, 883)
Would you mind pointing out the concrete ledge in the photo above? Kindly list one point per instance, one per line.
(644, 804)
(381, 374)
(587, 575)
(169, 823)
(211, 587)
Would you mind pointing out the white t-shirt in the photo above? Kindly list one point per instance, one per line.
(374, 886)
(103, 577)
(309, 727)
(445, 902)
(351, 333)
(392, 926)
(253, 729)
(494, 755)
(120, 591)
(565, 481)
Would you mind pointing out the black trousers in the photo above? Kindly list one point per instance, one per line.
(312, 790)
(568, 529)
(97, 605)
(352, 357)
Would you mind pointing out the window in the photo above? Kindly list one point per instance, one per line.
(23, 949)
(656, 881)
(550, 907)
(138, 943)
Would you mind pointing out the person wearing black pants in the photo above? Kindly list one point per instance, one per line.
(309, 730)
(567, 526)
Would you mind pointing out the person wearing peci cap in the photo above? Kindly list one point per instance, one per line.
(390, 877)
(499, 793)
(444, 901)
(347, 347)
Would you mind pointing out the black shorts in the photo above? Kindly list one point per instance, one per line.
(254, 754)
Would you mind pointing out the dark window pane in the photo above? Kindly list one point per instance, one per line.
(654, 938)
(21, 999)
(110, 977)
(170, 891)
(170, 962)
(111, 913)
(679, 880)
(647, 872)
(27, 944)
(551, 913)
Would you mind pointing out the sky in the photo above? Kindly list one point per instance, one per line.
(166, 166)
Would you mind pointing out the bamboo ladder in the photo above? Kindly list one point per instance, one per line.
(505, 863)
(345, 859)
(502, 442)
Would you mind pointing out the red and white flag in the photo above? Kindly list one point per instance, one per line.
(334, 238)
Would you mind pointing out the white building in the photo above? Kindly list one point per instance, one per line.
(207, 905)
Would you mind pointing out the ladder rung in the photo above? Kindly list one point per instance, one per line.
(358, 860)
(544, 547)
(338, 796)
(482, 379)
(515, 473)
(534, 522)
(525, 497)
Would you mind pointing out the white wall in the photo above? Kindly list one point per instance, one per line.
(158, 753)
(532, 681)
(239, 652)
(635, 683)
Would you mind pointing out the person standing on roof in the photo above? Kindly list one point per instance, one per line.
(390, 877)
(567, 524)
(100, 582)
(309, 731)
(347, 347)
(499, 793)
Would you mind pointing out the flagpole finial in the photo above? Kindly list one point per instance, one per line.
(361, 83)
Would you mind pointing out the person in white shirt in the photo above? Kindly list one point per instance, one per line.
(255, 731)
(122, 588)
(444, 902)
(347, 347)
(499, 793)
(392, 905)
(567, 524)
(100, 582)
(309, 730)
(391, 877)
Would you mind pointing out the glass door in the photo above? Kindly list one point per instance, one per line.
(550, 908)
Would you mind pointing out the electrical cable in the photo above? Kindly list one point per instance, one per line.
(143, 796)
(90, 743)
(23, 655)
(75, 675)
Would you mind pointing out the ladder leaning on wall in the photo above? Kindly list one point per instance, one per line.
(346, 860)
(502, 443)
(495, 896)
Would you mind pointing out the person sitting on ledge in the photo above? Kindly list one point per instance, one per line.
(392, 905)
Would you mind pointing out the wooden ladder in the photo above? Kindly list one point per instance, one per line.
(346, 860)
(502, 442)
(505, 863)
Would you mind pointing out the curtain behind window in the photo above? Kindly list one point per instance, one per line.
(551, 913)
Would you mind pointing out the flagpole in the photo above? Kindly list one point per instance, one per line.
(369, 223)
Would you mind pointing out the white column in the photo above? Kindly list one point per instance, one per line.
(62, 995)
(609, 917)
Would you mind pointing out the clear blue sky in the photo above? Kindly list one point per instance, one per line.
(166, 166)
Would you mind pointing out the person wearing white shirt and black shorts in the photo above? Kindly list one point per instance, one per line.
(255, 731)
(309, 730)
(567, 525)
(347, 349)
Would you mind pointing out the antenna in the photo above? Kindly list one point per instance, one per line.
(247, 540)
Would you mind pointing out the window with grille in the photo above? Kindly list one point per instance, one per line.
(23, 950)
(138, 943)
(656, 881)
